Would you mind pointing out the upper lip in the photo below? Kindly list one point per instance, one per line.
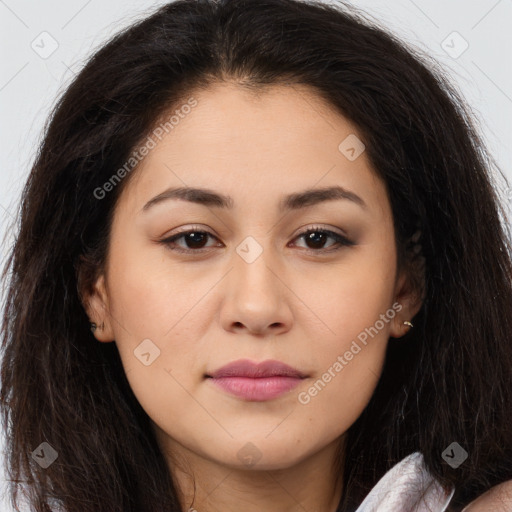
(247, 368)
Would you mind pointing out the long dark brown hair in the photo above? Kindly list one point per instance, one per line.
(448, 380)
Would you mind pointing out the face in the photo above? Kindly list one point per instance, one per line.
(259, 269)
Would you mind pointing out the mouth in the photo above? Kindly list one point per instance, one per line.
(256, 382)
(256, 389)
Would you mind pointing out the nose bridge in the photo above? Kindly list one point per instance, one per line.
(255, 297)
(252, 261)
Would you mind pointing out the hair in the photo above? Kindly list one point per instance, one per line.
(448, 380)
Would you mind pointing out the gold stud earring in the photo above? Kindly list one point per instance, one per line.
(408, 324)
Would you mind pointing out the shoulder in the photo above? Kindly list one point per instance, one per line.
(497, 499)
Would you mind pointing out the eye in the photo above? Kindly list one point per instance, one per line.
(317, 236)
(195, 240)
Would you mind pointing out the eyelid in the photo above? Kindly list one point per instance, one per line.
(317, 227)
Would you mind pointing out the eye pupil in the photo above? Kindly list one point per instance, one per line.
(314, 237)
(195, 238)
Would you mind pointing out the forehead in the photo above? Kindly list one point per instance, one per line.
(282, 138)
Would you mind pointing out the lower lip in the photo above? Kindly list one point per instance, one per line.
(256, 389)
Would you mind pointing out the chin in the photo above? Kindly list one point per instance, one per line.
(262, 456)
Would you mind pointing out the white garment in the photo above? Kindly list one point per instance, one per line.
(401, 488)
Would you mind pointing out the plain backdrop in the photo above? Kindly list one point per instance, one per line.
(45, 43)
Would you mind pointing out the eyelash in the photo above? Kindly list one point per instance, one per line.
(341, 240)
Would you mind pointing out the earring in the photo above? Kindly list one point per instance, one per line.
(408, 324)
(94, 326)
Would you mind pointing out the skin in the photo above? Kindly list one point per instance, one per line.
(497, 499)
(205, 309)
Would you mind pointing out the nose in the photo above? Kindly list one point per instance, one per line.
(256, 298)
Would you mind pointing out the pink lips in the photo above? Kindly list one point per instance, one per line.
(256, 382)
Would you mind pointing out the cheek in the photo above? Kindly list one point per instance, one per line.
(354, 312)
(349, 360)
(149, 295)
(336, 399)
(349, 297)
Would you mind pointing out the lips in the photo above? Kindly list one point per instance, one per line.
(256, 382)
(247, 368)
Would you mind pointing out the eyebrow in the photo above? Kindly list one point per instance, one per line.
(295, 201)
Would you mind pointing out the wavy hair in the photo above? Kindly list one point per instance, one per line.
(448, 380)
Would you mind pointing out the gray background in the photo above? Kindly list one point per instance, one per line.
(31, 78)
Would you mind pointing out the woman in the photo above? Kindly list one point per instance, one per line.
(260, 266)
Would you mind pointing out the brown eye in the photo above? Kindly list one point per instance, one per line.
(316, 238)
(194, 240)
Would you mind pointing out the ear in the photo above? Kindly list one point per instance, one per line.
(409, 294)
(96, 305)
